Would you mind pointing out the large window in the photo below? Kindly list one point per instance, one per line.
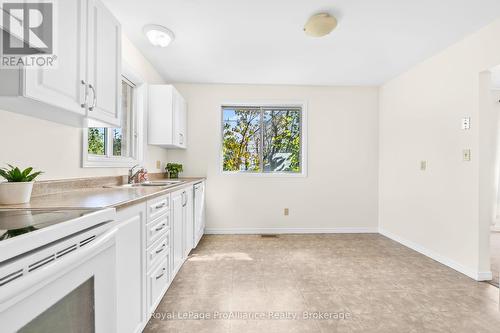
(263, 139)
(118, 147)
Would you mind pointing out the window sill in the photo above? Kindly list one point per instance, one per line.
(109, 162)
(265, 175)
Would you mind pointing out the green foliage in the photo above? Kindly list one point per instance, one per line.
(282, 141)
(96, 141)
(117, 142)
(241, 142)
(262, 140)
(173, 169)
(15, 175)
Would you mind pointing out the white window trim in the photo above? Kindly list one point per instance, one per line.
(304, 148)
(140, 100)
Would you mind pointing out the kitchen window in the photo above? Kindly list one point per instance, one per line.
(263, 139)
(118, 147)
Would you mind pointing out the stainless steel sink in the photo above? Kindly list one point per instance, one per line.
(159, 183)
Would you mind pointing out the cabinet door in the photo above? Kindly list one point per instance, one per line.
(130, 265)
(183, 124)
(62, 86)
(104, 65)
(160, 115)
(189, 211)
(177, 230)
(179, 120)
(199, 212)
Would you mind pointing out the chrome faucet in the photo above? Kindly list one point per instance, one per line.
(132, 174)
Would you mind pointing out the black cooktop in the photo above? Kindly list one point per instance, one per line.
(17, 222)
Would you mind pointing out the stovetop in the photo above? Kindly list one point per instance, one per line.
(18, 222)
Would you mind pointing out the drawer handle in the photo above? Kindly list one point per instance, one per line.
(159, 276)
(160, 227)
(163, 204)
(162, 248)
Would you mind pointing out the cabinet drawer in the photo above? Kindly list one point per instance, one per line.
(157, 228)
(158, 281)
(158, 251)
(158, 206)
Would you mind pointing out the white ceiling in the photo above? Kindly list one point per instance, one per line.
(262, 42)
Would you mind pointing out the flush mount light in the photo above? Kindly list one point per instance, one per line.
(158, 35)
(320, 25)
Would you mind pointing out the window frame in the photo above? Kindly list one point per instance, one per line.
(139, 100)
(271, 104)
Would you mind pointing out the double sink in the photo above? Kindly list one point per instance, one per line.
(160, 183)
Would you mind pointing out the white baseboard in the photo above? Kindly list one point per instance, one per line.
(258, 231)
(484, 276)
(476, 275)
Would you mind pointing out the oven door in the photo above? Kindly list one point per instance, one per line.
(75, 293)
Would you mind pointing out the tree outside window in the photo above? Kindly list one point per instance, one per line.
(116, 142)
(262, 139)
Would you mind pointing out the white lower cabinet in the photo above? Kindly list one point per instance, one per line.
(178, 231)
(154, 240)
(157, 251)
(199, 212)
(189, 211)
(130, 266)
(182, 226)
(158, 282)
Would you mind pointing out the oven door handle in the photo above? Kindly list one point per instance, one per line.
(31, 282)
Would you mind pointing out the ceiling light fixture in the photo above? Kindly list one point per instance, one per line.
(320, 25)
(158, 35)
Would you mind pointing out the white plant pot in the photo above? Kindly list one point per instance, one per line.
(15, 193)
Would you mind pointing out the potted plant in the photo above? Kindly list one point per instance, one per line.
(17, 189)
(173, 170)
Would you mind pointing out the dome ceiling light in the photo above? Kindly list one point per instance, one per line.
(158, 35)
(320, 25)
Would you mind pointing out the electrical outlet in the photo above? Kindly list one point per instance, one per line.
(466, 156)
(423, 165)
(286, 212)
(466, 123)
(158, 164)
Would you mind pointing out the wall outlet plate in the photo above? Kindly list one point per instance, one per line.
(466, 123)
(158, 164)
(286, 212)
(423, 165)
(466, 155)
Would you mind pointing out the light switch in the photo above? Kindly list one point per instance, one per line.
(158, 164)
(286, 212)
(423, 165)
(466, 123)
(466, 155)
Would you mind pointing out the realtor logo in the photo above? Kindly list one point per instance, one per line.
(27, 28)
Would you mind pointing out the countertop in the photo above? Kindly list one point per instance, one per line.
(100, 197)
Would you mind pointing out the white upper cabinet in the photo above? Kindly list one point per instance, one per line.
(167, 117)
(61, 86)
(85, 81)
(104, 64)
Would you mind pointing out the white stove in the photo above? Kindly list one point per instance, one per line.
(57, 271)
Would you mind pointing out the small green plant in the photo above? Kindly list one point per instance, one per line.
(173, 169)
(15, 175)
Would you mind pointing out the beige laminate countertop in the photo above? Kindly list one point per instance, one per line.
(100, 197)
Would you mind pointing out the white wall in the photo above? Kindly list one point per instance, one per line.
(57, 149)
(446, 210)
(340, 190)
